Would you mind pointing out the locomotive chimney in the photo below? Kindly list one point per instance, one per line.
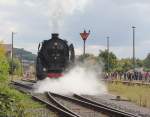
(55, 35)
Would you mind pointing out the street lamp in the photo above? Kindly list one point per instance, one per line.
(12, 57)
(133, 27)
(108, 53)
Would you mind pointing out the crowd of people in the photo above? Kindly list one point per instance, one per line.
(140, 76)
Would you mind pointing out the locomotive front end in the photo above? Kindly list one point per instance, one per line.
(54, 56)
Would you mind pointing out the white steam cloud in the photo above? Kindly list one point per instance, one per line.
(79, 80)
(59, 9)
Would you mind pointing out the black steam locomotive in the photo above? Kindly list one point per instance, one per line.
(54, 56)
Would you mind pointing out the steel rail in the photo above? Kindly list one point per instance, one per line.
(61, 112)
(32, 81)
(22, 85)
(94, 106)
(60, 105)
(103, 105)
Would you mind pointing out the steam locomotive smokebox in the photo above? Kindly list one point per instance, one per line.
(55, 35)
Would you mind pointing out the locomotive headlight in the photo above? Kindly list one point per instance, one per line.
(44, 69)
(55, 43)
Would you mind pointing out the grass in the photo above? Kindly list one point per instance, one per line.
(14, 103)
(138, 94)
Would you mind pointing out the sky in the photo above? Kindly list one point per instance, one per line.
(34, 21)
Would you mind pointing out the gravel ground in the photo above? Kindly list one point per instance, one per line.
(125, 105)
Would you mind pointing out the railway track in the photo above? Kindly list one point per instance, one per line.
(96, 106)
(72, 106)
(27, 89)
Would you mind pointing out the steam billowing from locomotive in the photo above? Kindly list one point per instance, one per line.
(54, 60)
(59, 9)
(81, 79)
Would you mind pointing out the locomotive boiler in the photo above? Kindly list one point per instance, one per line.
(54, 57)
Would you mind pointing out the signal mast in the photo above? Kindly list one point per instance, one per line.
(84, 35)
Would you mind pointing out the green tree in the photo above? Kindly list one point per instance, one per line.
(112, 63)
(16, 66)
(147, 62)
(86, 57)
(126, 64)
(4, 67)
(139, 63)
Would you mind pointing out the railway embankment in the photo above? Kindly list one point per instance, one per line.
(14, 103)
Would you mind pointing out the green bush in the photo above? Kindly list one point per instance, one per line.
(16, 66)
(4, 68)
(14, 103)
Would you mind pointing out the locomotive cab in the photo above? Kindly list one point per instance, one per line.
(54, 56)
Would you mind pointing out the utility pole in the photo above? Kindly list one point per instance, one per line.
(84, 47)
(133, 27)
(108, 54)
(12, 56)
